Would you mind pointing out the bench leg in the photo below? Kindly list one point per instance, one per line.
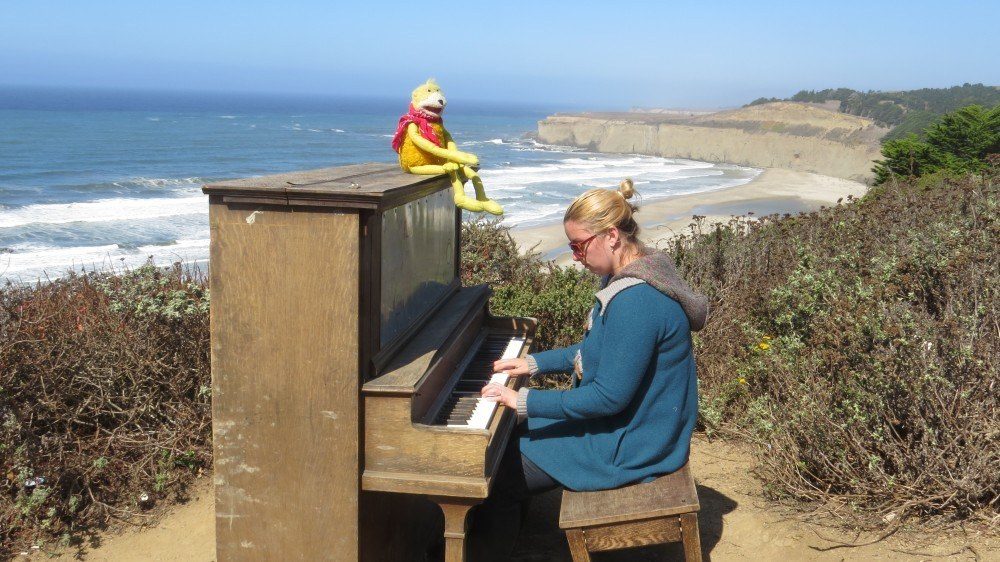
(577, 545)
(691, 538)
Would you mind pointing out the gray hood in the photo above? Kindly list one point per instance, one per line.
(658, 270)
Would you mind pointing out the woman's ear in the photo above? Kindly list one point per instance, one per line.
(614, 237)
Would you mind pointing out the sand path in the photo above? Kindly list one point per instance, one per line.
(737, 523)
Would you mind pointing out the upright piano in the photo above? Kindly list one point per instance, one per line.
(346, 366)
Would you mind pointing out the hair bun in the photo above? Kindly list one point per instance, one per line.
(626, 188)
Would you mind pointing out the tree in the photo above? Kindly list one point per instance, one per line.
(907, 157)
(967, 136)
(959, 142)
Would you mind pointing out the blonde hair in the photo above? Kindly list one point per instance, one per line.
(600, 209)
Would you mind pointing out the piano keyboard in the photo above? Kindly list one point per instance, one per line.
(465, 407)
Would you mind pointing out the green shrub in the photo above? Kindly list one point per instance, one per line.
(524, 285)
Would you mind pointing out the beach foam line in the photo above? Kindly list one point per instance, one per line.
(595, 173)
(514, 215)
(55, 262)
(100, 210)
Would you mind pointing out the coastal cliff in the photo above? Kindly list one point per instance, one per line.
(795, 136)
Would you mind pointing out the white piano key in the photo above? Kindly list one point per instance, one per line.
(485, 407)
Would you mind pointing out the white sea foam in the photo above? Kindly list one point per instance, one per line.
(28, 263)
(104, 210)
(531, 145)
(532, 213)
(595, 173)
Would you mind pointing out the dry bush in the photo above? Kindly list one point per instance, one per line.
(104, 396)
(858, 347)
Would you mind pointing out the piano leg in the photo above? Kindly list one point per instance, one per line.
(456, 524)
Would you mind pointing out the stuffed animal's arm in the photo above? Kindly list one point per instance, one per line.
(447, 153)
(449, 141)
(452, 145)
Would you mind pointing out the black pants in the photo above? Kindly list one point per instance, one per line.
(494, 525)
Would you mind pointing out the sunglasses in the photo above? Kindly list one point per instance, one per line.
(580, 248)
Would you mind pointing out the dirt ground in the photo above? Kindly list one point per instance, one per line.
(737, 523)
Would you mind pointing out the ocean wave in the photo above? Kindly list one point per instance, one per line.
(28, 264)
(63, 192)
(594, 173)
(100, 210)
(532, 214)
(160, 182)
(482, 142)
(532, 145)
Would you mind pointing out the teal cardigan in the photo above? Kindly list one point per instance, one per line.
(631, 416)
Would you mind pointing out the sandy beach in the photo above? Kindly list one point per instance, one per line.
(775, 190)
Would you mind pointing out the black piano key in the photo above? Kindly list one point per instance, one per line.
(465, 396)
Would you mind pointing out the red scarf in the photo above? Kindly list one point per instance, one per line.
(423, 119)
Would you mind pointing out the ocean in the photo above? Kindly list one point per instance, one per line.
(94, 179)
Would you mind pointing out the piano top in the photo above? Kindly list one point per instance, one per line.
(374, 185)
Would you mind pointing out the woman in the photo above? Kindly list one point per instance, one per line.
(633, 403)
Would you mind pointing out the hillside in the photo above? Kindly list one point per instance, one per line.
(908, 111)
(797, 136)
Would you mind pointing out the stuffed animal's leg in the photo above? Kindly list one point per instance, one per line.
(489, 205)
(427, 170)
(462, 200)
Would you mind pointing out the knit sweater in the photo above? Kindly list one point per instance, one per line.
(630, 416)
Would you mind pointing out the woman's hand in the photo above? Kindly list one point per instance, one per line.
(514, 367)
(500, 393)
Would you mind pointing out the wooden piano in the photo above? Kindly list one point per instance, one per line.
(346, 367)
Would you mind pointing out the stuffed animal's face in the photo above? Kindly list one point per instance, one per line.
(428, 96)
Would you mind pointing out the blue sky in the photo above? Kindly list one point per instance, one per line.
(580, 54)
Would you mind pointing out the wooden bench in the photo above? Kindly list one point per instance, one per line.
(662, 511)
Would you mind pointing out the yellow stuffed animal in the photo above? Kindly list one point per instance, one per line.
(426, 147)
